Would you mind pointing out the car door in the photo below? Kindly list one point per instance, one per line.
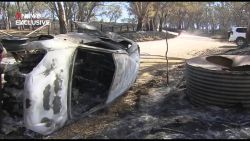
(127, 67)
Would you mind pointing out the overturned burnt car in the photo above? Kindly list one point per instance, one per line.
(61, 77)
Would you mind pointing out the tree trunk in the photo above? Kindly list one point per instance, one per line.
(188, 25)
(248, 33)
(155, 23)
(6, 19)
(62, 18)
(139, 25)
(5, 15)
(90, 12)
(151, 28)
(81, 18)
(32, 26)
(80, 12)
(160, 25)
(179, 24)
(147, 26)
(19, 10)
(213, 28)
(7, 22)
(207, 27)
(198, 26)
(74, 17)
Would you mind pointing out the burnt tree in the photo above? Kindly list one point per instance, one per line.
(62, 18)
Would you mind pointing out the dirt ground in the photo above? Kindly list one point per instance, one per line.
(153, 108)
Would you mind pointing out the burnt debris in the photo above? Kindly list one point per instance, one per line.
(91, 80)
(14, 75)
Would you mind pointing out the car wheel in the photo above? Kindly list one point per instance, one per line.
(241, 42)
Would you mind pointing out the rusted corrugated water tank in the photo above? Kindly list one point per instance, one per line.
(222, 80)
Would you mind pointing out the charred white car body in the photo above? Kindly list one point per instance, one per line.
(72, 74)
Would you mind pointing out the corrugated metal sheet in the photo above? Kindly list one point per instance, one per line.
(211, 82)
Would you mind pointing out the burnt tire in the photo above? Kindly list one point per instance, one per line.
(241, 42)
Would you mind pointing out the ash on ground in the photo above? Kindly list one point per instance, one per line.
(155, 109)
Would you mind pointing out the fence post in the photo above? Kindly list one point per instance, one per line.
(101, 27)
(127, 28)
(54, 25)
(121, 28)
(112, 28)
(71, 26)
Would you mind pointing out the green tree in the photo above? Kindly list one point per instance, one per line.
(86, 10)
(113, 12)
(139, 9)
